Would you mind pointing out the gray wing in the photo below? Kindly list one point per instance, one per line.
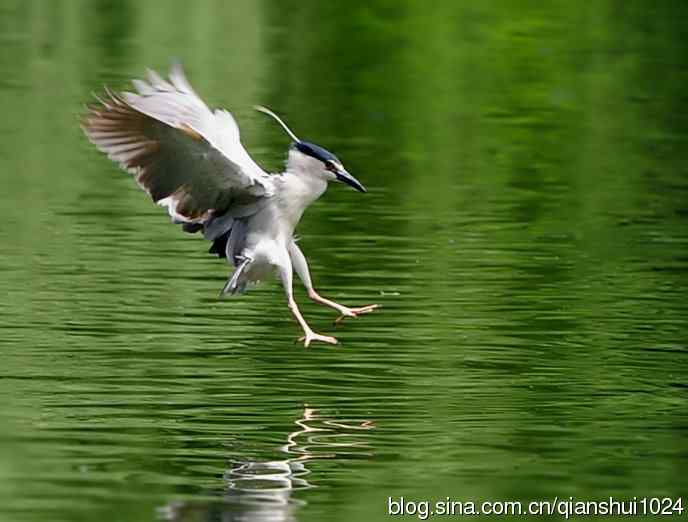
(188, 158)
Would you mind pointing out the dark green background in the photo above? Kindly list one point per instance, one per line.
(525, 232)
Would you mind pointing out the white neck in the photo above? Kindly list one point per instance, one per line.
(302, 183)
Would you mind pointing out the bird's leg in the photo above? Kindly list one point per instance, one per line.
(301, 266)
(309, 335)
(344, 311)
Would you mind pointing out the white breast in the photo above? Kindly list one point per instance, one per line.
(296, 193)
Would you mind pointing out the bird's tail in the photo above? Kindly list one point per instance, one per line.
(236, 284)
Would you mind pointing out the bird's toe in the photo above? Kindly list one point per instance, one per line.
(355, 312)
(312, 336)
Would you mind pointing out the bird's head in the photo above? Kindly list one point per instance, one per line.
(313, 159)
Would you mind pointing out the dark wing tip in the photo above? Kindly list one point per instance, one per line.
(118, 130)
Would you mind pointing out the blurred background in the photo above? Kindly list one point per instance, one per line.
(525, 232)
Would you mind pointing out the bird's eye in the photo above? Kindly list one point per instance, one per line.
(329, 165)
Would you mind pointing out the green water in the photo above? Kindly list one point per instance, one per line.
(524, 231)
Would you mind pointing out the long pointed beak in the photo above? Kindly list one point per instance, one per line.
(347, 178)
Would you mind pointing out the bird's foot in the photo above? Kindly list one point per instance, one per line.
(312, 336)
(355, 312)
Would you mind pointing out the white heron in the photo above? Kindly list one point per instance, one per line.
(190, 159)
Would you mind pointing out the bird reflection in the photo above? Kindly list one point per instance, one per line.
(261, 490)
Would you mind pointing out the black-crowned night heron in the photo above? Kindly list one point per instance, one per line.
(190, 160)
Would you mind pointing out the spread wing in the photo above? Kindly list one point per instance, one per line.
(188, 158)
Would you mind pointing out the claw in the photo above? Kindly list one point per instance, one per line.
(355, 312)
(312, 336)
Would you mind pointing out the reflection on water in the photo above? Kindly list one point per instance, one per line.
(261, 490)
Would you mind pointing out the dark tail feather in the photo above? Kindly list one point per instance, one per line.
(233, 286)
(219, 245)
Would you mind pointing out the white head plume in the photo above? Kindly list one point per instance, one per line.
(267, 111)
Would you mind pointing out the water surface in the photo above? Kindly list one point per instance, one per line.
(525, 232)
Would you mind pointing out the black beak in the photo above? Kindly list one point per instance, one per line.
(347, 178)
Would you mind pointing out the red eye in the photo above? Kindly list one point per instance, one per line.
(330, 166)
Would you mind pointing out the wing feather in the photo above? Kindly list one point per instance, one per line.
(187, 157)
